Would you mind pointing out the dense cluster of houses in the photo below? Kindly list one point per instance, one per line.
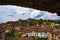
(43, 30)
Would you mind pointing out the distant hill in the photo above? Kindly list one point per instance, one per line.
(46, 5)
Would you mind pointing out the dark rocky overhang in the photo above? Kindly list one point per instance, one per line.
(46, 5)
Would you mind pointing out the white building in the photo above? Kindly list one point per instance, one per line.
(39, 34)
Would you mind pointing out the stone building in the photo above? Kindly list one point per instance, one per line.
(54, 35)
(36, 30)
(2, 34)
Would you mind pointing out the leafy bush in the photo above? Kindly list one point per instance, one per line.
(10, 34)
(18, 35)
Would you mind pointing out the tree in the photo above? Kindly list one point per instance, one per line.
(10, 34)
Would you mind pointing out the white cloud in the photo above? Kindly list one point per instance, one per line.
(13, 13)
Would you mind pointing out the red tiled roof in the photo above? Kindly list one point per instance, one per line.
(2, 30)
(55, 31)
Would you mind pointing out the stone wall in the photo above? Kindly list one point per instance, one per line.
(8, 38)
